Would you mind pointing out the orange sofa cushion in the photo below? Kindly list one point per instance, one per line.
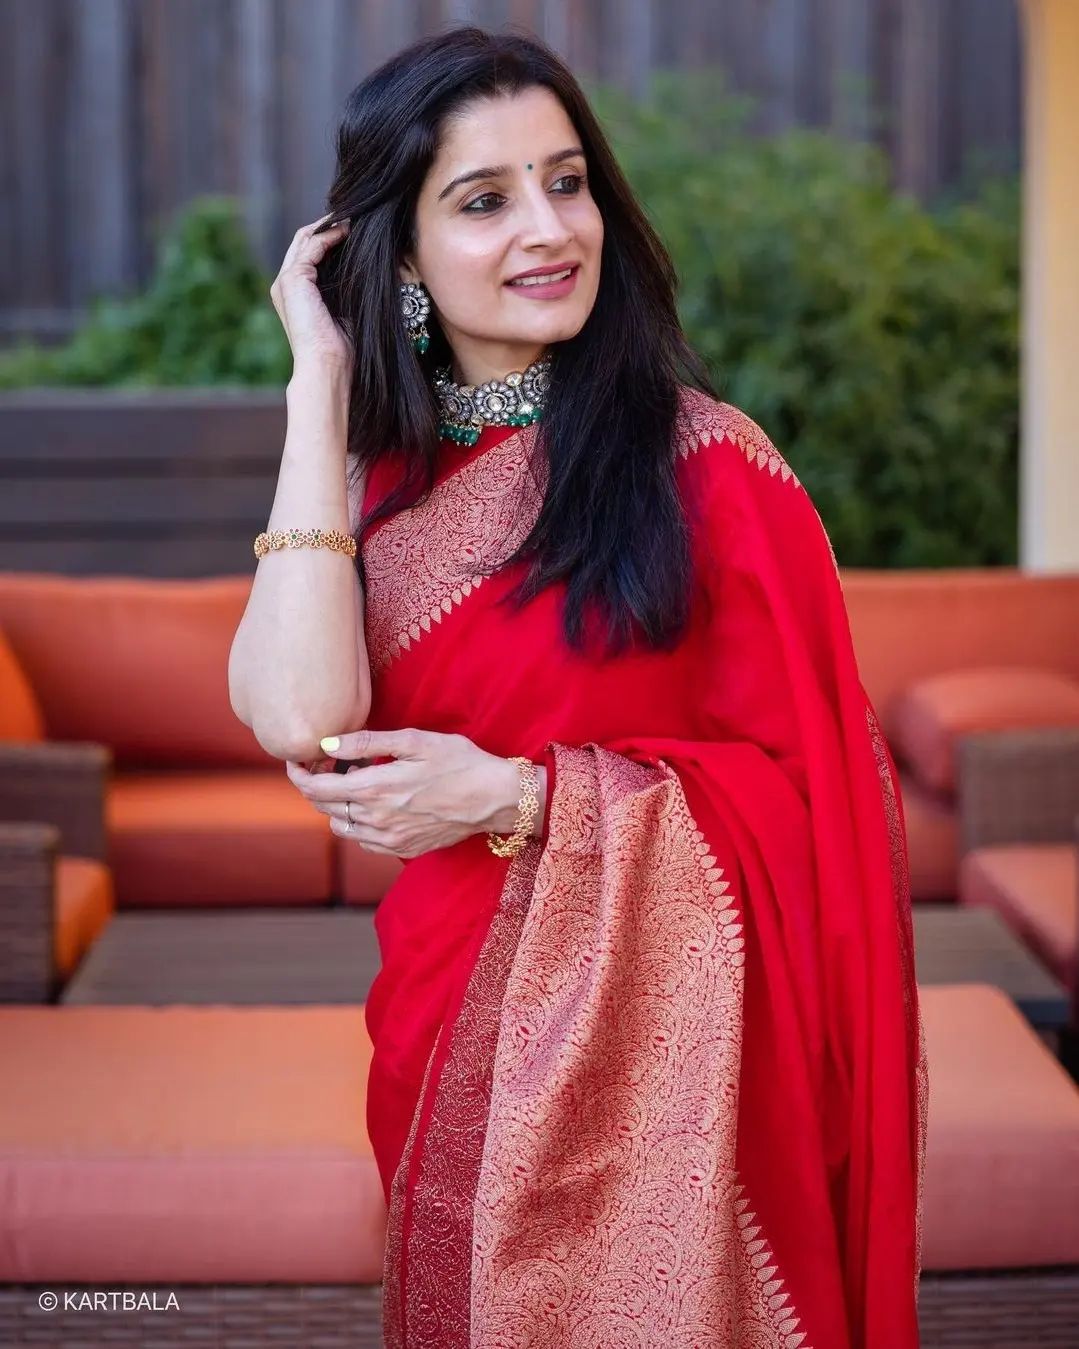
(364, 876)
(931, 715)
(187, 1145)
(1035, 889)
(239, 836)
(932, 840)
(135, 663)
(1002, 1158)
(908, 624)
(21, 717)
(85, 901)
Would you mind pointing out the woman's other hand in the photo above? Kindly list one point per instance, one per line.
(315, 338)
(438, 790)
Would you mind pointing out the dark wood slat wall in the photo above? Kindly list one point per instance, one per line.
(118, 112)
(169, 483)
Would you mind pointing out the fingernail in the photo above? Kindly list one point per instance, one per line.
(330, 742)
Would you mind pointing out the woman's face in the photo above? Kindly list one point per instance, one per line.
(507, 193)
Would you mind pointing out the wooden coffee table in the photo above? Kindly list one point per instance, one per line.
(232, 956)
(330, 955)
(956, 944)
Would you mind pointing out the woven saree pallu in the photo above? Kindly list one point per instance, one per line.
(660, 1079)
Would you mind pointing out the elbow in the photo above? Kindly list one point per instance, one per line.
(294, 733)
(300, 742)
(238, 700)
(298, 746)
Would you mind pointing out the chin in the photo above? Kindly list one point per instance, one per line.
(559, 328)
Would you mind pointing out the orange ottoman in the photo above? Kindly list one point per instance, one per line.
(174, 1145)
(1002, 1161)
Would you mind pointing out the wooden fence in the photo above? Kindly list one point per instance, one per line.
(163, 482)
(114, 113)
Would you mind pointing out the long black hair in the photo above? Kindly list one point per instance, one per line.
(611, 523)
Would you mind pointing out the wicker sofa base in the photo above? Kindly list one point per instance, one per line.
(1000, 1309)
(1009, 1309)
(215, 1316)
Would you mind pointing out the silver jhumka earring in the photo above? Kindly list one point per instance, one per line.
(416, 306)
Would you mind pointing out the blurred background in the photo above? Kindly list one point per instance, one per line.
(873, 208)
(838, 181)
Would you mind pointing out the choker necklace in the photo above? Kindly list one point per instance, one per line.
(516, 400)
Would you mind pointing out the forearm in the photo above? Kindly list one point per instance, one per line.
(298, 667)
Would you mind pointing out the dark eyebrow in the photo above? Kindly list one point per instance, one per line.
(497, 170)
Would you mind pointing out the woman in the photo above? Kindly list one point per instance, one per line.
(648, 1065)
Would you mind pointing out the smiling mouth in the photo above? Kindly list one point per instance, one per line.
(544, 279)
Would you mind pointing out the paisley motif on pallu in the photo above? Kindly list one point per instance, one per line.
(592, 1201)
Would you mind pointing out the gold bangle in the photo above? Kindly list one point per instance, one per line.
(296, 538)
(499, 844)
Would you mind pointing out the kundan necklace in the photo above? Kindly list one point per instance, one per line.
(516, 400)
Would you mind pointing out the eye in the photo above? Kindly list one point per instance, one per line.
(475, 207)
(471, 207)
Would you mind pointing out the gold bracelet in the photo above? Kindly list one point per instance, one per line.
(499, 844)
(296, 538)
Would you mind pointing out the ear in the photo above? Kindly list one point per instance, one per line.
(407, 271)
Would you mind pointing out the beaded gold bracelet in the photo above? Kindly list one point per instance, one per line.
(502, 846)
(296, 538)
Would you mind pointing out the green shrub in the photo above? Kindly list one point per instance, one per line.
(206, 318)
(875, 339)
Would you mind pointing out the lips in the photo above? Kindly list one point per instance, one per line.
(547, 277)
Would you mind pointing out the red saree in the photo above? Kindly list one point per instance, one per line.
(660, 1078)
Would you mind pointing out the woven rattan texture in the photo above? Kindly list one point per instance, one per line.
(1019, 787)
(1025, 1309)
(60, 783)
(1012, 1309)
(212, 1316)
(27, 911)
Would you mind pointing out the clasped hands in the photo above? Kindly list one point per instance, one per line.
(438, 790)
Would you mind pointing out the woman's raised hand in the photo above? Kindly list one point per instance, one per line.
(315, 338)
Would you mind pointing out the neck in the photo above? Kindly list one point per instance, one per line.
(474, 368)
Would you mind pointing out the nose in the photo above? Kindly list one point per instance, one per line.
(542, 225)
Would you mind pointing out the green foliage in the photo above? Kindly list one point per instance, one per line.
(206, 318)
(873, 338)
